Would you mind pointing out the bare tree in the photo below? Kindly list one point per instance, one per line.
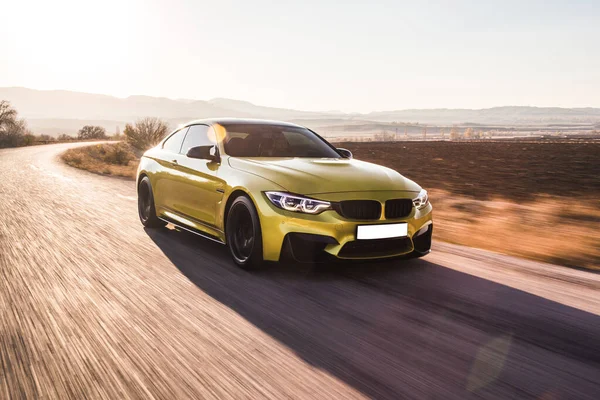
(454, 134)
(145, 133)
(8, 115)
(12, 129)
(91, 132)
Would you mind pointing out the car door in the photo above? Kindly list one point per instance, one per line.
(202, 189)
(165, 180)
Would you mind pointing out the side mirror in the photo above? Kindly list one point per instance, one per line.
(345, 153)
(204, 153)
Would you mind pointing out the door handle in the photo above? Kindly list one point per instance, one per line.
(174, 161)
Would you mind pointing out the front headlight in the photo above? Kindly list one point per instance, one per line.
(421, 200)
(296, 203)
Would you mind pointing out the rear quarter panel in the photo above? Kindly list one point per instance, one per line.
(156, 170)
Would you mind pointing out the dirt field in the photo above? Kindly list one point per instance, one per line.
(533, 199)
(509, 169)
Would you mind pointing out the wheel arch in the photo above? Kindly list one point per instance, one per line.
(141, 176)
(232, 196)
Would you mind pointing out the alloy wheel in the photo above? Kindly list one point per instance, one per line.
(242, 239)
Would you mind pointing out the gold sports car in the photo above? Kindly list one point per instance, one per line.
(271, 189)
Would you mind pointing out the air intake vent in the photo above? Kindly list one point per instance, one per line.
(398, 208)
(376, 248)
(360, 209)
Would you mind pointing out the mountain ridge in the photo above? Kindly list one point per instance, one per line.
(40, 106)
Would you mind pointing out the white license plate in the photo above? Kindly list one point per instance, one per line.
(383, 231)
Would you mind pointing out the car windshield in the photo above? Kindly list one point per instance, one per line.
(265, 140)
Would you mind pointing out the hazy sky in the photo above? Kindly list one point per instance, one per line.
(314, 55)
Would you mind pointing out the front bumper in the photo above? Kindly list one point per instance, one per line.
(308, 237)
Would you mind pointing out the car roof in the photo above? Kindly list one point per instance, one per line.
(248, 121)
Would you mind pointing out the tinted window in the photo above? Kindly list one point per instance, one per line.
(197, 136)
(174, 142)
(256, 140)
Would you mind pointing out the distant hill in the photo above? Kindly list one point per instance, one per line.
(246, 108)
(513, 115)
(58, 111)
(74, 105)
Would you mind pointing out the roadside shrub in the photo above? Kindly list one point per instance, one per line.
(145, 133)
(45, 138)
(91, 132)
(119, 154)
(113, 153)
(74, 158)
(116, 159)
(27, 140)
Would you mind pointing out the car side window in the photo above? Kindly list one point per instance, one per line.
(297, 140)
(173, 143)
(197, 135)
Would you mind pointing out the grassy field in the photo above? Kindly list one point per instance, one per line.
(537, 200)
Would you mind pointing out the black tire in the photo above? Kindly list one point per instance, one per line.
(244, 237)
(146, 210)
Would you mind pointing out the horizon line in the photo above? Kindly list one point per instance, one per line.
(331, 111)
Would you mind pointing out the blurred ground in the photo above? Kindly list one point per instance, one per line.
(532, 199)
(94, 306)
(551, 229)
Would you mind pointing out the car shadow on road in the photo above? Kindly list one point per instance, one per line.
(405, 328)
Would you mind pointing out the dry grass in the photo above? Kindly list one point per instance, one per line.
(552, 229)
(116, 159)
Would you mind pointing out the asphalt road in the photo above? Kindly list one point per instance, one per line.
(94, 306)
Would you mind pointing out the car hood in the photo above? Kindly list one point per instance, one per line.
(324, 175)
